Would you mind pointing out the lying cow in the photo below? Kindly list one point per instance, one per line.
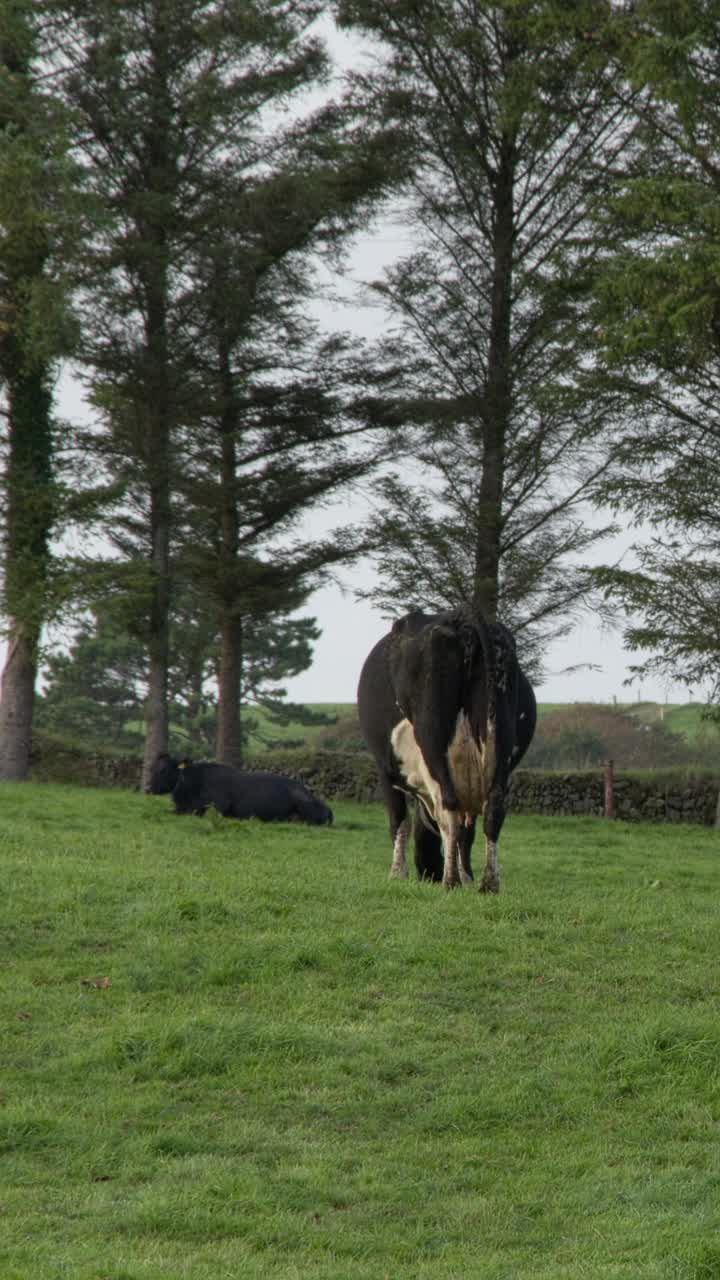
(271, 797)
(447, 713)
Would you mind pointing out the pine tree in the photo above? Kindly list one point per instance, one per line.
(94, 690)
(658, 319)
(272, 429)
(37, 209)
(181, 108)
(512, 125)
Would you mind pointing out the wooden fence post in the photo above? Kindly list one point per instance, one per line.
(609, 790)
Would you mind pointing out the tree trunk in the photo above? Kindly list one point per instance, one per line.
(155, 395)
(157, 725)
(497, 398)
(156, 710)
(16, 703)
(28, 520)
(229, 733)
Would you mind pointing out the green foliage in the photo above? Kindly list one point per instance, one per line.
(344, 734)
(673, 597)
(584, 735)
(657, 322)
(512, 124)
(221, 412)
(207, 1071)
(40, 226)
(95, 692)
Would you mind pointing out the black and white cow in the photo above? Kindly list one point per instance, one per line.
(271, 797)
(447, 713)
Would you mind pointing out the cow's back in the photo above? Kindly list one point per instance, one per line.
(264, 795)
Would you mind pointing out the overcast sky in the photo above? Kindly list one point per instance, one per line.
(350, 628)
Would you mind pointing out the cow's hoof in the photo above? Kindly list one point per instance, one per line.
(489, 884)
(398, 873)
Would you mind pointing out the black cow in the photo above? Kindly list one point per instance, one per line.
(272, 797)
(447, 713)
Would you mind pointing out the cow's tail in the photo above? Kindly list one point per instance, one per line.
(490, 755)
(490, 647)
(502, 689)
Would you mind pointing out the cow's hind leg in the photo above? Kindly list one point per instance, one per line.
(398, 866)
(465, 843)
(449, 823)
(492, 824)
(400, 827)
(490, 882)
(428, 846)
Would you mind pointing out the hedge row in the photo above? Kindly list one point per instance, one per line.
(670, 796)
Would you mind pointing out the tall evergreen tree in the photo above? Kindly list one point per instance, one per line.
(272, 430)
(513, 126)
(36, 214)
(95, 688)
(658, 321)
(181, 101)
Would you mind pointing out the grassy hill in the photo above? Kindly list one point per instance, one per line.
(685, 719)
(295, 731)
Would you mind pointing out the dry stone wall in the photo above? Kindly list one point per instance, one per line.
(639, 797)
(667, 796)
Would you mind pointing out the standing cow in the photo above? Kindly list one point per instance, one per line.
(447, 713)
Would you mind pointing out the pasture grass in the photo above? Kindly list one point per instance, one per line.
(236, 1050)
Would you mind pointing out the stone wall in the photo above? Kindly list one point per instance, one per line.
(639, 797)
(661, 796)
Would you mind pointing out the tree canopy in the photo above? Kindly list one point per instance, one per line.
(216, 180)
(40, 222)
(173, 173)
(659, 334)
(513, 128)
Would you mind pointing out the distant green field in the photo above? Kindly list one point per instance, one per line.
(685, 719)
(688, 721)
(294, 731)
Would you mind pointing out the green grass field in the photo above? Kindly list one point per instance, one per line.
(235, 1050)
